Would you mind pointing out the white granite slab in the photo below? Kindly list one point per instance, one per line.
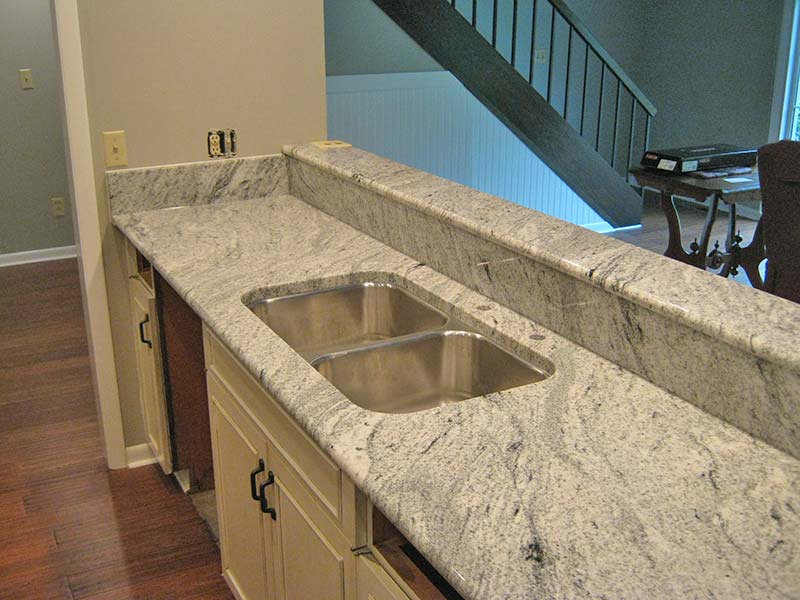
(594, 483)
(205, 182)
(729, 349)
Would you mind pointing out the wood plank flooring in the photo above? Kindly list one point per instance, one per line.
(69, 528)
(654, 234)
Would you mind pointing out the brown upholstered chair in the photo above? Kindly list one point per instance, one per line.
(779, 170)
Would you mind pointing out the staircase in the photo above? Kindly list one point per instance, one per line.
(541, 72)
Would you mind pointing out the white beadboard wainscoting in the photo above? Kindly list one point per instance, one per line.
(431, 122)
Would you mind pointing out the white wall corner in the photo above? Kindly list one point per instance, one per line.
(87, 229)
(139, 456)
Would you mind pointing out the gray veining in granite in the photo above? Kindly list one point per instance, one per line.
(206, 182)
(593, 483)
(730, 350)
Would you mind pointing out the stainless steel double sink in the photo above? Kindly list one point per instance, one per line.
(389, 351)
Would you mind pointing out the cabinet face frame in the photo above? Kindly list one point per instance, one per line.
(149, 372)
(378, 557)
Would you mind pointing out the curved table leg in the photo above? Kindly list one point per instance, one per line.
(674, 246)
(705, 237)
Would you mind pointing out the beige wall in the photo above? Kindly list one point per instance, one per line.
(33, 167)
(166, 72)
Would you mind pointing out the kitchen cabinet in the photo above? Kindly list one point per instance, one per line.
(286, 511)
(237, 450)
(374, 583)
(148, 370)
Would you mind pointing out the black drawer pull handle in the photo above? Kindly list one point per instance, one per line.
(141, 331)
(265, 507)
(253, 474)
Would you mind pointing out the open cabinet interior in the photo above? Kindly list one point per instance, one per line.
(413, 570)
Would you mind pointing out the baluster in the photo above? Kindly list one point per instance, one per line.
(514, 33)
(616, 123)
(566, 78)
(632, 130)
(533, 43)
(550, 57)
(600, 104)
(585, 75)
(475, 13)
(494, 24)
(647, 133)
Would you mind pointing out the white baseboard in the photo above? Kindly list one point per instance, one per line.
(32, 256)
(139, 456)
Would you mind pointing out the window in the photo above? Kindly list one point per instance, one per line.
(791, 110)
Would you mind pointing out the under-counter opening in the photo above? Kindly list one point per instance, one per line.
(405, 564)
(144, 269)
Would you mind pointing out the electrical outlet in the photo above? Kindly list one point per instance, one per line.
(221, 143)
(58, 207)
(116, 148)
(26, 79)
(540, 57)
(214, 143)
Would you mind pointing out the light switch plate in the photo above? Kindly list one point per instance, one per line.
(116, 148)
(58, 207)
(26, 79)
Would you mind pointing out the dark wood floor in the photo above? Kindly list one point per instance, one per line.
(69, 528)
(653, 234)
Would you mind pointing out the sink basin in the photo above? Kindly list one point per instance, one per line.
(423, 372)
(325, 321)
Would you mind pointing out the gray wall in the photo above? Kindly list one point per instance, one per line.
(360, 38)
(32, 163)
(707, 66)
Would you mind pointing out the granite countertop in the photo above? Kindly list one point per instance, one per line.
(592, 483)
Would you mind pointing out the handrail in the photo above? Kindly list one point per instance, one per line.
(603, 55)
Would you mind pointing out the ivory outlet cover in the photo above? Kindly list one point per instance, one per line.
(116, 148)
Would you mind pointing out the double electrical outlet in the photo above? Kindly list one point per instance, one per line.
(221, 143)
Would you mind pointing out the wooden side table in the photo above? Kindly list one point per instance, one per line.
(718, 190)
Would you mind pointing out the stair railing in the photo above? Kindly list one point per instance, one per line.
(578, 38)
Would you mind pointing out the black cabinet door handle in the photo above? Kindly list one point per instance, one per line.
(141, 331)
(253, 474)
(265, 507)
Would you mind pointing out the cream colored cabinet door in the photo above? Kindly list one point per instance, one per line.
(308, 565)
(245, 556)
(373, 583)
(149, 372)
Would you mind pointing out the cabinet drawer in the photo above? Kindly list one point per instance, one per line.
(313, 468)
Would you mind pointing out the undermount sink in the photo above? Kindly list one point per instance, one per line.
(423, 372)
(388, 351)
(325, 321)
